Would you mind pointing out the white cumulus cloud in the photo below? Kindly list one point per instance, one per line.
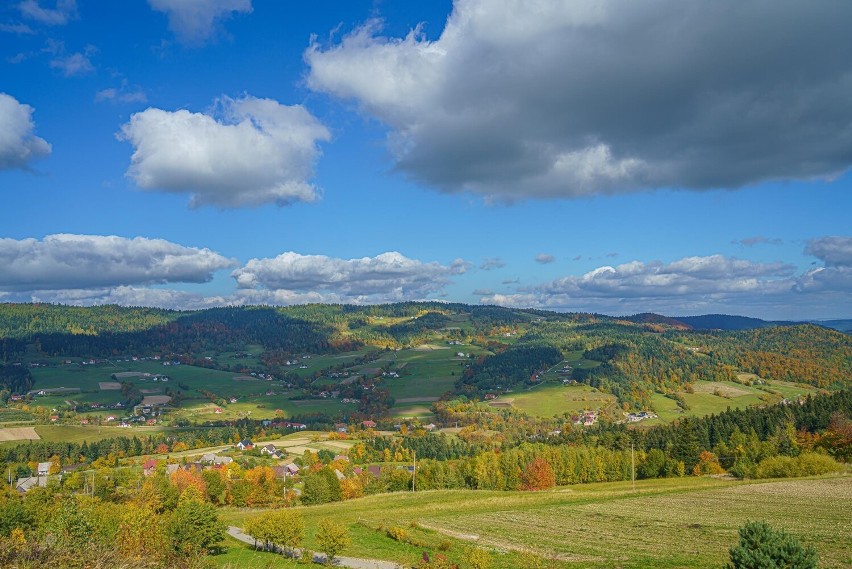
(247, 152)
(18, 144)
(551, 99)
(384, 278)
(66, 261)
(638, 286)
(195, 21)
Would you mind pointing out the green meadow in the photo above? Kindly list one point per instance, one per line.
(667, 523)
(709, 397)
(548, 400)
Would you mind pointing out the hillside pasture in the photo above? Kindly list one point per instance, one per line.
(709, 397)
(261, 406)
(791, 391)
(411, 411)
(80, 433)
(548, 400)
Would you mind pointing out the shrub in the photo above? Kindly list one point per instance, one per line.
(397, 533)
(761, 547)
(806, 464)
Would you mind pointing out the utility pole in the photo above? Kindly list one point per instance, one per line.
(414, 472)
(632, 468)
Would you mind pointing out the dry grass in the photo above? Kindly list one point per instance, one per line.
(18, 434)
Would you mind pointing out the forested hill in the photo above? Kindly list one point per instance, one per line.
(728, 322)
(631, 358)
(709, 321)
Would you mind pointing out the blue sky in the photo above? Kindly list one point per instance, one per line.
(680, 157)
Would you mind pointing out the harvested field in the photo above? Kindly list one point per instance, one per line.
(429, 348)
(109, 385)
(18, 434)
(724, 389)
(156, 399)
(127, 374)
(337, 444)
(58, 390)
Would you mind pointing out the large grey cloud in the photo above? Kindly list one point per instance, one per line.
(834, 251)
(18, 143)
(290, 277)
(65, 261)
(246, 152)
(836, 274)
(195, 21)
(552, 98)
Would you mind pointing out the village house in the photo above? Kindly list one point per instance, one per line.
(24, 485)
(245, 444)
(291, 470)
(368, 424)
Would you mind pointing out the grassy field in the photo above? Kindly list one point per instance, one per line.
(421, 411)
(80, 433)
(251, 394)
(716, 397)
(548, 400)
(688, 522)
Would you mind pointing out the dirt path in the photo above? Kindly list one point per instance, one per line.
(339, 561)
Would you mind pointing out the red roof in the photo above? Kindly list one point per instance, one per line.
(149, 464)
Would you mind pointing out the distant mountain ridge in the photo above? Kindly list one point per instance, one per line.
(731, 322)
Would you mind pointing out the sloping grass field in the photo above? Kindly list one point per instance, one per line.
(670, 523)
(551, 399)
(717, 396)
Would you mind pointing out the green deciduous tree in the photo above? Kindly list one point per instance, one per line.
(332, 538)
(279, 527)
(194, 525)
